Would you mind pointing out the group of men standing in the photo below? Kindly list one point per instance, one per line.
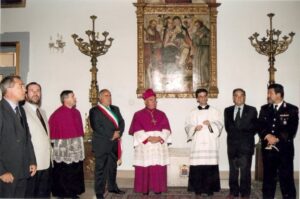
(31, 151)
(37, 159)
(276, 125)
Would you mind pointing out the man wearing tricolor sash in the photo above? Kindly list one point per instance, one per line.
(108, 126)
(151, 134)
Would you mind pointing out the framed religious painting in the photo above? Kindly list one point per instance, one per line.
(177, 48)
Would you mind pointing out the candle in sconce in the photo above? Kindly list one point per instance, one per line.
(58, 44)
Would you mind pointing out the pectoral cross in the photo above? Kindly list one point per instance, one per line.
(152, 118)
(153, 121)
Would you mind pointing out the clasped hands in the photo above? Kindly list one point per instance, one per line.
(200, 126)
(154, 139)
(9, 178)
(116, 135)
(271, 139)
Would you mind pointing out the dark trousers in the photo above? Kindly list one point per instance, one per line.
(13, 190)
(39, 186)
(106, 171)
(240, 164)
(67, 179)
(204, 179)
(281, 165)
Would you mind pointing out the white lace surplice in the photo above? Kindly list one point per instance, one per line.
(68, 150)
(149, 154)
(205, 144)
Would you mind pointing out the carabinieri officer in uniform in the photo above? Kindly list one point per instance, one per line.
(278, 127)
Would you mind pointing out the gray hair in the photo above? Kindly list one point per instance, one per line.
(8, 82)
(101, 92)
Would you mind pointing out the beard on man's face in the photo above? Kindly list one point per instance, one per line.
(34, 100)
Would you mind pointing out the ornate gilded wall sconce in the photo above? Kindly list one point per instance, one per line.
(58, 44)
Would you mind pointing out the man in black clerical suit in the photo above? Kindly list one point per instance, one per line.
(278, 127)
(240, 124)
(108, 126)
(17, 159)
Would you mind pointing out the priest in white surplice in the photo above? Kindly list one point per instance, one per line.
(203, 127)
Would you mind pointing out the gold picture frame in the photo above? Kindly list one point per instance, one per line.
(177, 48)
(13, 4)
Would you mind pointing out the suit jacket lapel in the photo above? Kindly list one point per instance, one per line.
(23, 114)
(271, 110)
(34, 116)
(281, 108)
(45, 119)
(245, 112)
(231, 114)
(19, 129)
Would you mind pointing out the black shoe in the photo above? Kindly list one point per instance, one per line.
(145, 194)
(117, 191)
(157, 193)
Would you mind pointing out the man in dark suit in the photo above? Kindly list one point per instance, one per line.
(17, 159)
(240, 124)
(108, 126)
(278, 127)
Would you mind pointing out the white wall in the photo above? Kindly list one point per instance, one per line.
(238, 63)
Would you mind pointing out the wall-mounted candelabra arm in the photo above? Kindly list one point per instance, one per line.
(58, 45)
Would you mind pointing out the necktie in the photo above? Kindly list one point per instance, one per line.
(275, 109)
(18, 113)
(238, 115)
(38, 113)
